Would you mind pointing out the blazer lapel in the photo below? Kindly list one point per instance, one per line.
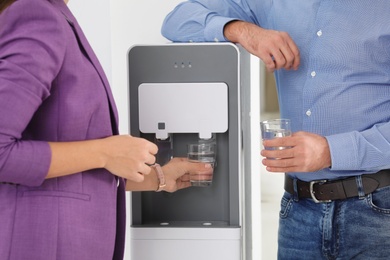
(84, 44)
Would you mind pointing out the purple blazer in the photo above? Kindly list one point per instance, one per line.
(52, 88)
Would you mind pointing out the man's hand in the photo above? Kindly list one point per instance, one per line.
(308, 153)
(276, 49)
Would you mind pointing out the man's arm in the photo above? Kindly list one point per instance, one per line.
(213, 21)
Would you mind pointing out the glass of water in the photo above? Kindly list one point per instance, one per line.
(275, 128)
(204, 153)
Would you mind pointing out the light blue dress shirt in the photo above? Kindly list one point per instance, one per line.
(342, 87)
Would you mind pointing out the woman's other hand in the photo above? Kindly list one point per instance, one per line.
(129, 157)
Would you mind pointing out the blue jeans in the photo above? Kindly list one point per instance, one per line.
(355, 228)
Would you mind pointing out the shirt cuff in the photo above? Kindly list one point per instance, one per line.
(214, 29)
(342, 161)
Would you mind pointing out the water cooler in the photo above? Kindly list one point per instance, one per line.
(189, 93)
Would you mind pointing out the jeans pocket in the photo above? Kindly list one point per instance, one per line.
(379, 200)
(285, 205)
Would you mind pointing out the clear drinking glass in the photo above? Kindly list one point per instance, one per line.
(204, 153)
(275, 128)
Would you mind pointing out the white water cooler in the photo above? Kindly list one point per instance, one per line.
(188, 93)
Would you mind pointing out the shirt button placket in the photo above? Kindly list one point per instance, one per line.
(313, 75)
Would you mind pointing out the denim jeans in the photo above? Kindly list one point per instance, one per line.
(355, 228)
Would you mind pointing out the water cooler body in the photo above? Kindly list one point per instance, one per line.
(181, 94)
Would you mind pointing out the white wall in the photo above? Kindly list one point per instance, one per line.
(94, 18)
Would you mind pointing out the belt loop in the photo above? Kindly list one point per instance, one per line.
(295, 185)
(359, 183)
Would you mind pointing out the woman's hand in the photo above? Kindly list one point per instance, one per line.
(177, 173)
(177, 176)
(129, 157)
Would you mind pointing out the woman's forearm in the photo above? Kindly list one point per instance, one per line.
(72, 157)
(122, 155)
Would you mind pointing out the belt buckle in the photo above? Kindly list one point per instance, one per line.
(312, 192)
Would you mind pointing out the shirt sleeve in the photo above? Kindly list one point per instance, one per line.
(204, 20)
(368, 150)
(32, 47)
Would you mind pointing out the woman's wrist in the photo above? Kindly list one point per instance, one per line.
(150, 183)
(160, 177)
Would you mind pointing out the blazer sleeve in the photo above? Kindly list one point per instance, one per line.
(32, 48)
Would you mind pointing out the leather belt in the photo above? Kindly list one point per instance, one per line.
(328, 190)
